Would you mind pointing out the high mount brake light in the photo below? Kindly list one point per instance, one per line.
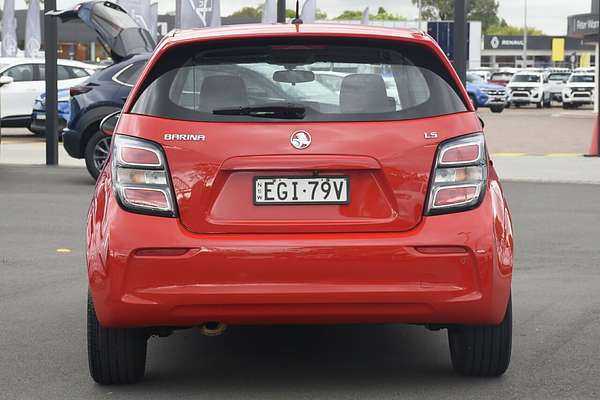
(459, 175)
(140, 177)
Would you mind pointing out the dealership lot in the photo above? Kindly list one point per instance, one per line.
(42, 310)
(555, 132)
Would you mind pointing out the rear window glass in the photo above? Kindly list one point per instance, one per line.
(338, 80)
(130, 74)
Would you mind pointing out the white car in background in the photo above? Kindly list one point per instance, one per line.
(527, 87)
(579, 90)
(22, 80)
(556, 82)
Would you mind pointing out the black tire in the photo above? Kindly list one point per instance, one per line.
(497, 109)
(115, 355)
(482, 350)
(517, 105)
(548, 103)
(97, 143)
(566, 106)
(507, 106)
(540, 104)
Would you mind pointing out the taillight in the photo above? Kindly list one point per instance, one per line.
(77, 90)
(140, 177)
(459, 175)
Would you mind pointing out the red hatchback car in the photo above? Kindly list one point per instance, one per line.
(241, 190)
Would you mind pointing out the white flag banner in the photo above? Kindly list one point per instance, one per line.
(309, 12)
(365, 17)
(139, 10)
(33, 32)
(153, 23)
(9, 30)
(269, 15)
(198, 13)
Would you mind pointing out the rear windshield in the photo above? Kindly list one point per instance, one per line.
(308, 79)
(583, 78)
(526, 78)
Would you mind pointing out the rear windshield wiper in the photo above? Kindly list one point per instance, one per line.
(280, 112)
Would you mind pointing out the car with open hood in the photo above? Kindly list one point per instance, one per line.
(129, 46)
(117, 31)
(239, 190)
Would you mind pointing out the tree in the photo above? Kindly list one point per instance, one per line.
(485, 11)
(321, 15)
(251, 12)
(382, 15)
(503, 28)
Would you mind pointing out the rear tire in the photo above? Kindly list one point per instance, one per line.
(540, 104)
(497, 109)
(97, 146)
(482, 350)
(115, 355)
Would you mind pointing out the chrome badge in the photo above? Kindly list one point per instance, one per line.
(184, 137)
(301, 140)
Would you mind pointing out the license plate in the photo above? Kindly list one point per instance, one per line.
(41, 117)
(301, 190)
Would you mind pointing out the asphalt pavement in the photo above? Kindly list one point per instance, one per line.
(556, 352)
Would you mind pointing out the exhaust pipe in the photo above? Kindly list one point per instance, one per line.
(212, 328)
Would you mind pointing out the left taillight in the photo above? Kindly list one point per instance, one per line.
(140, 177)
(459, 175)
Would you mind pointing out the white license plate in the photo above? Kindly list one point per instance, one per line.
(41, 117)
(301, 190)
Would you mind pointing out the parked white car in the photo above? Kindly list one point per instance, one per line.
(556, 83)
(22, 80)
(579, 90)
(527, 87)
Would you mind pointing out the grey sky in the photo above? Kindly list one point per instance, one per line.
(548, 15)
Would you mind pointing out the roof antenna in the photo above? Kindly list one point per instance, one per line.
(297, 20)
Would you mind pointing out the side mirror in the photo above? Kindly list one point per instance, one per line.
(109, 123)
(6, 80)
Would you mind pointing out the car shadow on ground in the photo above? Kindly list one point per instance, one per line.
(276, 360)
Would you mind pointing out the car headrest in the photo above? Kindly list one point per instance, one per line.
(223, 91)
(365, 94)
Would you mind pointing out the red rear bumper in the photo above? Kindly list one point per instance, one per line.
(300, 278)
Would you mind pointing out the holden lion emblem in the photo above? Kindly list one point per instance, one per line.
(301, 140)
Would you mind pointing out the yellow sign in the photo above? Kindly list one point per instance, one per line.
(558, 49)
(585, 60)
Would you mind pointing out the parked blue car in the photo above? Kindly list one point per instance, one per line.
(485, 94)
(104, 93)
(37, 124)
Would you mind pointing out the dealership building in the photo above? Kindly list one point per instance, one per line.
(507, 51)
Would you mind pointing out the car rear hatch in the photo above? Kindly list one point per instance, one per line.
(118, 32)
(361, 163)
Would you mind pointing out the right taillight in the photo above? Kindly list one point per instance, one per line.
(459, 175)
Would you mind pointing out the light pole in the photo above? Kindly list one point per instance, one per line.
(420, 5)
(525, 35)
(50, 49)
(460, 38)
